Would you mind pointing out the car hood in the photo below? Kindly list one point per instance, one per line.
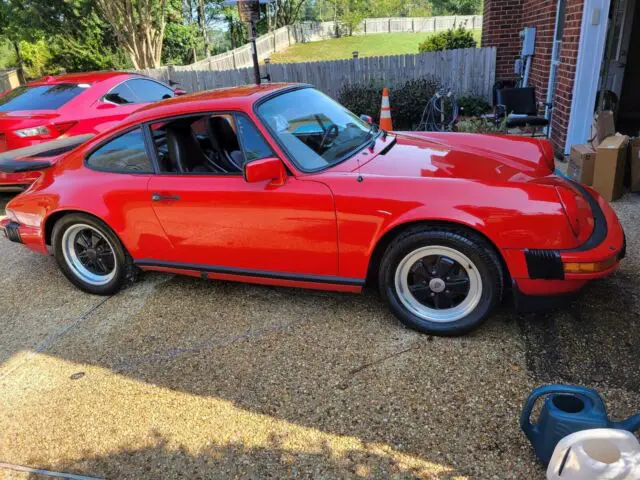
(489, 158)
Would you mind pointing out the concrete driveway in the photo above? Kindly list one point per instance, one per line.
(183, 378)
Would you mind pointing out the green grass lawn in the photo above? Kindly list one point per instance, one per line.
(367, 45)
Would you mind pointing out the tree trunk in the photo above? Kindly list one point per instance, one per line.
(202, 23)
(139, 28)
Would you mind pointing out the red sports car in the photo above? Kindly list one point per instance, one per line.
(280, 185)
(69, 105)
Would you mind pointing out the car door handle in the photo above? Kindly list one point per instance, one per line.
(156, 197)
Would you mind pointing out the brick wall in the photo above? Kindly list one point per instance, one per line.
(503, 20)
(566, 73)
(542, 15)
(501, 25)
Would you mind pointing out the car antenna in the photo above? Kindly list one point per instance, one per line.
(360, 177)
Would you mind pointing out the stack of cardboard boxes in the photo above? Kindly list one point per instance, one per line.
(602, 162)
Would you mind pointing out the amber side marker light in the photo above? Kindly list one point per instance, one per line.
(592, 267)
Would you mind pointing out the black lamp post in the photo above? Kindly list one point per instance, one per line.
(250, 13)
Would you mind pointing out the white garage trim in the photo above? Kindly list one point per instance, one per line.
(593, 34)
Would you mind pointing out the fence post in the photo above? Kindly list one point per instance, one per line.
(389, 26)
(413, 25)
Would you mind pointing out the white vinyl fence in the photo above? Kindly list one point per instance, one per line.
(282, 38)
(465, 71)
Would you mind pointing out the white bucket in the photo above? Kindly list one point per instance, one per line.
(598, 454)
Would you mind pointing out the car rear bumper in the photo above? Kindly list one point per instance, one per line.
(30, 237)
(560, 272)
(15, 182)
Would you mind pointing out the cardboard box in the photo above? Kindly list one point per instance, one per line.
(608, 175)
(634, 160)
(582, 162)
(603, 126)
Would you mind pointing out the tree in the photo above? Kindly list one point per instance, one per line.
(139, 26)
(288, 11)
(457, 7)
(202, 23)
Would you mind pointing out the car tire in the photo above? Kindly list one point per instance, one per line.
(441, 280)
(91, 256)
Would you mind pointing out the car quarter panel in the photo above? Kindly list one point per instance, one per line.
(511, 217)
(120, 200)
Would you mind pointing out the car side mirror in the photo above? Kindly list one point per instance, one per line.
(366, 119)
(266, 169)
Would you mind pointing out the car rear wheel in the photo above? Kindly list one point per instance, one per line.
(442, 281)
(91, 256)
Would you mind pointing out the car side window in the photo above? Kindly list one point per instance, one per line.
(148, 90)
(121, 95)
(198, 145)
(124, 154)
(254, 145)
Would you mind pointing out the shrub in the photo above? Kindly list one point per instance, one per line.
(408, 101)
(448, 40)
(472, 106)
(480, 125)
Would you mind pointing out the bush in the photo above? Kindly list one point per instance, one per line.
(448, 40)
(472, 106)
(408, 101)
(35, 57)
(481, 125)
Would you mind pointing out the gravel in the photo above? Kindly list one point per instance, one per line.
(181, 378)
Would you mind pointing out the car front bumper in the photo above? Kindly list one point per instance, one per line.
(560, 272)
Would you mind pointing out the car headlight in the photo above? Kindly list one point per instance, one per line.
(33, 132)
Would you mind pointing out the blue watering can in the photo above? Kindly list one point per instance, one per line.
(567, 409)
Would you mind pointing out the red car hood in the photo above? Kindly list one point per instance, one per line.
(459, 155)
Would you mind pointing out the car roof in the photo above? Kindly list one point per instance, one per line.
(230, 98)
(89, 77)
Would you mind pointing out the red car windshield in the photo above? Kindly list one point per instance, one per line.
(316, 131)
(40, 97)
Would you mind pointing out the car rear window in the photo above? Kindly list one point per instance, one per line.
(41, 97)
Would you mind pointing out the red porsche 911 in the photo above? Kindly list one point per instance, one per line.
(280, 185)
(69, 105)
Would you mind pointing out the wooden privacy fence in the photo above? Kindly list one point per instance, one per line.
(465, 71)
(313, 31)
(9, 79)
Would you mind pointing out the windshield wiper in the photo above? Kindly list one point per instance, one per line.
(389, 146)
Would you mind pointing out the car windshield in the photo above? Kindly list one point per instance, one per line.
(316, 131)
(41, 97)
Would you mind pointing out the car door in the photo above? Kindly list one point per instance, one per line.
(219, 221)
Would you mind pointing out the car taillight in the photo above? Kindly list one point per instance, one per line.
(64, 127)
(40, 131)
(46, 131)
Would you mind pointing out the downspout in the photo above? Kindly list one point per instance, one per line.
(555, 62)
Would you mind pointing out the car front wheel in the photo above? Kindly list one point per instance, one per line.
(91, 256)
(442, 281)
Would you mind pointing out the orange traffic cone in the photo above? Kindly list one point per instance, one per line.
(385, 111)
